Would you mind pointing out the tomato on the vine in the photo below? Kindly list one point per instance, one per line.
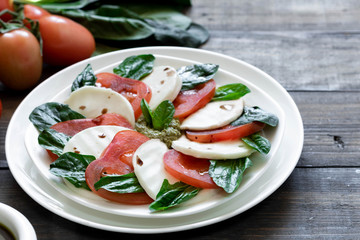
(34, 12)
(64, 41)
(6, 4)
(20, 59)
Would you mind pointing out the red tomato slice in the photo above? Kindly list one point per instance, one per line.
(115, 159)
(133, 90)
(72, 127)
(226, 133)
(188, 169)
(189, 101)
(112, 119)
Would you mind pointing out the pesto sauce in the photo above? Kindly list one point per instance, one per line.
(167, 135)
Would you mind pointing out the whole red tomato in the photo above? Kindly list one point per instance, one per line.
(64, 41)
(20, 59)
(34, 12)
(6, 4)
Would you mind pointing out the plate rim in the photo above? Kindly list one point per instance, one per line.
(170, 49)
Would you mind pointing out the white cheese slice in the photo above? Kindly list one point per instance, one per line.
(149, 166)
(93, 101)
(219, 150)
(92, 141)
(214, 115)
(165, 84)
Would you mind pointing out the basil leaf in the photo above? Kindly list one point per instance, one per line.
(72, 166)
(163, 115)
(172, 195)
(85, 78)
(228, 174)
(231, 91)
(147, 113)
(136, 67)
(258, 142)
(53, 140)
(251, 114)
(194, 75)
(48, 114)
(127, 183)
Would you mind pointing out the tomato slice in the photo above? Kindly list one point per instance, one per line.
(72, 127)
(225, 133)
(188, 169)
(133, 90)
(115, 159)
(189, 101)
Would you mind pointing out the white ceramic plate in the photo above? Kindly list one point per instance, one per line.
(53, 194)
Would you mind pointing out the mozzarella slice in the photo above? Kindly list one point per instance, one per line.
(94, 101)
(214, 115)
(165, 84)
(92, 141)
(149, 166)
(219, 150)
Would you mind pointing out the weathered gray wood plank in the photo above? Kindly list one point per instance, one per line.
(298, 60)
(305, 45)
(277, 15)
(332, 128)
(312, 203)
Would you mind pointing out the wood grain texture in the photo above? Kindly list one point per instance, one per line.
(331, 128)
(313, 203)
(305, 45)
(311, 47)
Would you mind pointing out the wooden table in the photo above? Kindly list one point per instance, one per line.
(312, 49)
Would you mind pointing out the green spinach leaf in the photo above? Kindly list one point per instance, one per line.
(110, 28)
(194, 75)
(228, 173)
(53, 140)
(136, 67)
(127, 183)
(85, 78)
(72, 166)
(258, 142)
(48, 114)
(161, 117)
(231, 91)
(172, 195)
(251, 114)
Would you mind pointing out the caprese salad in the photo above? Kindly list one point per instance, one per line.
(152, 135)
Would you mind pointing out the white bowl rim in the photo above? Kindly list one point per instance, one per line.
(17, 223)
